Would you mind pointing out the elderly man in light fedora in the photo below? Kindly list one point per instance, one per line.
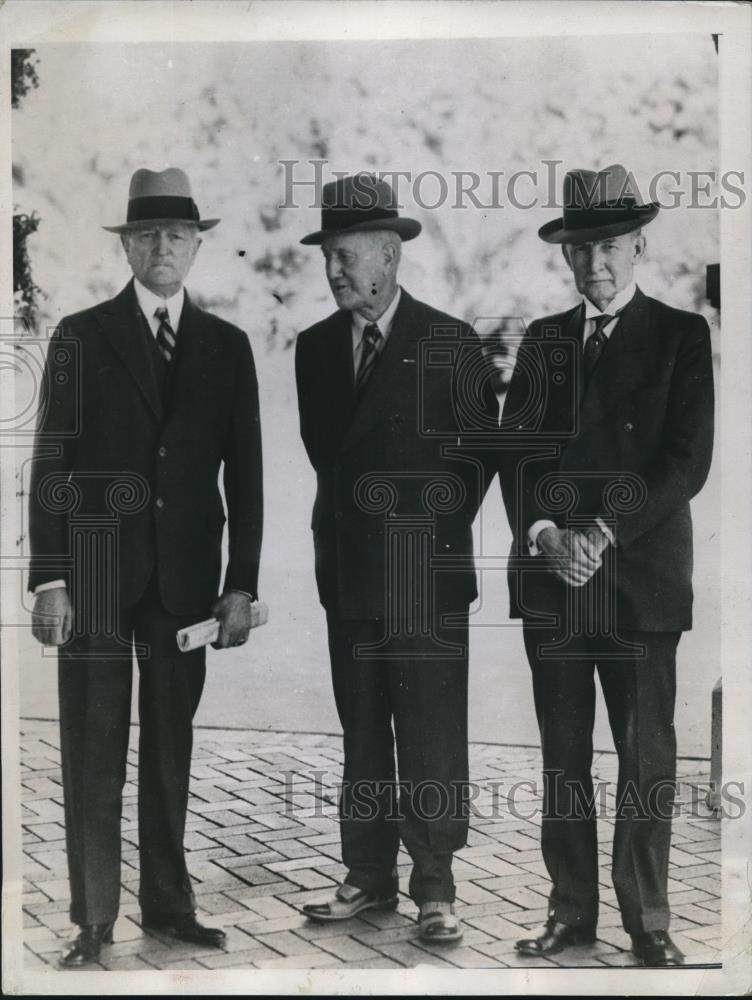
(397, 492)
(610, 414)
(147, 397)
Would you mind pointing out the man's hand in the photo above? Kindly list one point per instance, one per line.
(597, 539)
(574, 556)
(233, 610)
(52, 617)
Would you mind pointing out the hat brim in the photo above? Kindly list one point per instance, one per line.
(128, 227)
(407, 229)
(639, 215)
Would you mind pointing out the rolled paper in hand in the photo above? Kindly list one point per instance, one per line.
(202, 633)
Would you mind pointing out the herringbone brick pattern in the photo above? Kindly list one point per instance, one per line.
(262, 839)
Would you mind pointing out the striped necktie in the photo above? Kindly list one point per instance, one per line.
(594, 345)
(165, 333)
(369, 354)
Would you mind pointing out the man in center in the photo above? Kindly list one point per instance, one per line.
(397, 492)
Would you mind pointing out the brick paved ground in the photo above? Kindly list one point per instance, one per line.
(262, 839)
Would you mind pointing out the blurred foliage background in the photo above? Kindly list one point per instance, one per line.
(24, 78)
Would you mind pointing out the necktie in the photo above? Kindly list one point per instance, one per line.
(368, 356)
(594, 346)
(165, 333)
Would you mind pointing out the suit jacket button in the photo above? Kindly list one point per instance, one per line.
(162, 451)
(628, 427)
(338, 515)
(160, 502)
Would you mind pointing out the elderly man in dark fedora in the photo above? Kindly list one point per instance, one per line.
(398, 487)
(609, 422)
(147, 397)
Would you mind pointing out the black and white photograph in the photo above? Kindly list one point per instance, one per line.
(376, 466)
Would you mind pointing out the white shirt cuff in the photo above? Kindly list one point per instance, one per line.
(532, 535)
(52, 585)
(606, 530)
(234, 590)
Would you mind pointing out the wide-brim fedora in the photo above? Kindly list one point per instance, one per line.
(598, 204)
(360, 203)
(160, 196)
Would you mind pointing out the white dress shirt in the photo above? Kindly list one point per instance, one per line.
(384, 323)
(592, 312)
(149, 303)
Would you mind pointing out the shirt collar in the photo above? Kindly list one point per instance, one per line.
(149, 303)
(384, 322)
(618, 302)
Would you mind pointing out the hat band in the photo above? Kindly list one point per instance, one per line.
(345, 218)
(162, 207)
(595, 216)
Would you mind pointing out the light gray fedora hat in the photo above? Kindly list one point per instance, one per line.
(160, 196)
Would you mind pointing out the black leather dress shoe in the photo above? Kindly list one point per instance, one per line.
(185, 927)
(656, 950)
(555, 938)
(348, 901)
(87, 946)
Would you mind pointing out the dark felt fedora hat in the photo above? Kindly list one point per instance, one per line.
(360, 203)
(160, 196)
(598, 204)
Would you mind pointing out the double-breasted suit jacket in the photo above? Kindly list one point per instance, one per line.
(397, 454)
(106, 420)
(632, 447)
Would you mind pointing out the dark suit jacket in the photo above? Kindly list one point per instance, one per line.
(387, 459)
(633, 448)
(104, 421)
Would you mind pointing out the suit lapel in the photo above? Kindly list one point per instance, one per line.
(632, 331)
(625, 353)
(560, 390)
(573, 327)
(192, 354)
(336, 392)
(122, 322)
(625, 361)
(341, 364)
(393, 376)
